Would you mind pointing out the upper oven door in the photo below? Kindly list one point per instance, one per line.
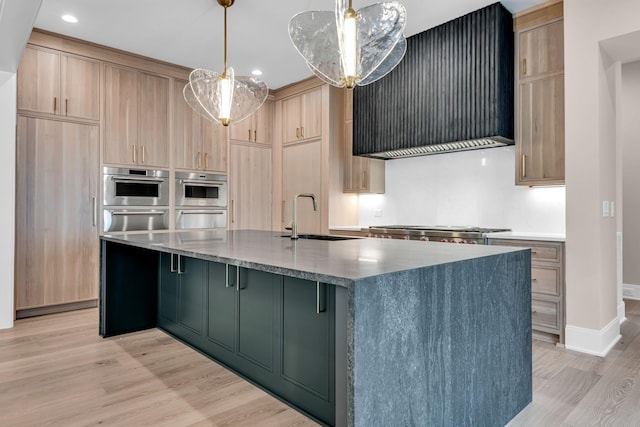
(210, 191)
(135, 189)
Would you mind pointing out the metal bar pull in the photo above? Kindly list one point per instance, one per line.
(172, 269)
(297, 132)
(320, 298)
(255, 136)
(238, 279)
(143, 154)
(302, 131)
(55, 103)
(524, 66)
(249, 135)
(206, 160)
(226, 280)
(66, 107)
(524, 165)
(233, 211)
(94, 211)
(180, 270)
(133, 153)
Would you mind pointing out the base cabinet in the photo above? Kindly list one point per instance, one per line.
(277, 331)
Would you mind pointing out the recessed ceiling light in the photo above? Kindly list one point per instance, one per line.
(256, 72)
(69, 18)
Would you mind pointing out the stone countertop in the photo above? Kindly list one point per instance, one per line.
(521, 235)
(336, 262)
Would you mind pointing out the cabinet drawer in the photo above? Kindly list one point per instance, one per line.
(545, 280)
(540, 251)
(545, 314)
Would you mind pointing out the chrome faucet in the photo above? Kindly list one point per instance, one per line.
(294, 221)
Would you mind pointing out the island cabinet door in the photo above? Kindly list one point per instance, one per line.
(308, 346)
(221, 330)
(182, 297)
(258, 314)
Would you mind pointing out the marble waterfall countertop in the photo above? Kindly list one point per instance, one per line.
(336, 262)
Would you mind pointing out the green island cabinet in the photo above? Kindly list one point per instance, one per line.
(275, 330)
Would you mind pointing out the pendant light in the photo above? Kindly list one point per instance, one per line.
(225, 98)
(346, 48)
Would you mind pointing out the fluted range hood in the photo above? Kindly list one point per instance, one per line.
(453, 91)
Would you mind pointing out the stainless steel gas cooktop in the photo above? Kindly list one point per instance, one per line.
(437, 233)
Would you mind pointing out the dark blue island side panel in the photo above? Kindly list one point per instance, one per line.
(448, 345)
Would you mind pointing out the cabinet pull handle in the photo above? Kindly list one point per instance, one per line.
(133, 153)
(255, 136)
(524, 67)
(226, 283)
(534, 252)
(180, 270)
(142, 155)
(297, 132)
(320, 306)
(198, 160)
(534, 279)
(55, 103)
(233, 211)
(302, 131)
(249, 135)
(238, 279)
(172, 269)
(534, 311)
(66, 107)
(524, 165)
(206, 160)
(94, 211)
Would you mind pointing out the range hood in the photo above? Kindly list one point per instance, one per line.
(453, 91)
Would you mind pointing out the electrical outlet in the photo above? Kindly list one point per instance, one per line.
(377, 213)
(605, 208)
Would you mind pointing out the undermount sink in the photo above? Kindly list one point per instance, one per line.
(320, 237)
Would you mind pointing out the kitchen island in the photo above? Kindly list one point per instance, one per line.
(353, 332)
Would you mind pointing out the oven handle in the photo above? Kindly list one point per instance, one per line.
(137, 179)
(203, 183)
(138, 213)
(185, 212)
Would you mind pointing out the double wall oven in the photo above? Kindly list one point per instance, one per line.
(135, 199)
(201, 200)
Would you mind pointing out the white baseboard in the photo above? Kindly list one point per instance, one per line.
(631, 291)
(622, 314)
(597, 343)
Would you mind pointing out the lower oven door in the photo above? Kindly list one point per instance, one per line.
(135, 219)
(201, 218)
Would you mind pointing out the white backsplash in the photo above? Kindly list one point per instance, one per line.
(465, 188)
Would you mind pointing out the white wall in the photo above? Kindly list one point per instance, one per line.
(7, 194)
(591, 80)
(466, 188)
(630, 136)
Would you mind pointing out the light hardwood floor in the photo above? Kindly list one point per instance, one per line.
(55, 370)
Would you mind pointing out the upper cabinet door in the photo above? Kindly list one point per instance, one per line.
(214, 146)
(187, 131)
(154, 120)
(80, 88)
(242, 131)
(121, 116)
(291, 119)
(312, 114)
(542, 50)
(39, 81)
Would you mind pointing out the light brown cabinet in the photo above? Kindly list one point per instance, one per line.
(250, 192)
(257, 128)
(52, 82)
(540, 96)
(302, 173)
(57, 250)
(198, 143)
(547, 287)
(136, 118)
(302, 117)
(361, 174)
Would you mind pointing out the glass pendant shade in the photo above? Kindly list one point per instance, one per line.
(224, 98)
(346, 48)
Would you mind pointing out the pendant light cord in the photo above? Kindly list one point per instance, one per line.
(224, 72)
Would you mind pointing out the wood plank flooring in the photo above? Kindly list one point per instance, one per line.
(56, 371)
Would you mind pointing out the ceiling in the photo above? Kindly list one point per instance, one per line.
(189, 32)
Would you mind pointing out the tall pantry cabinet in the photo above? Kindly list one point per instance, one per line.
(57, 170)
